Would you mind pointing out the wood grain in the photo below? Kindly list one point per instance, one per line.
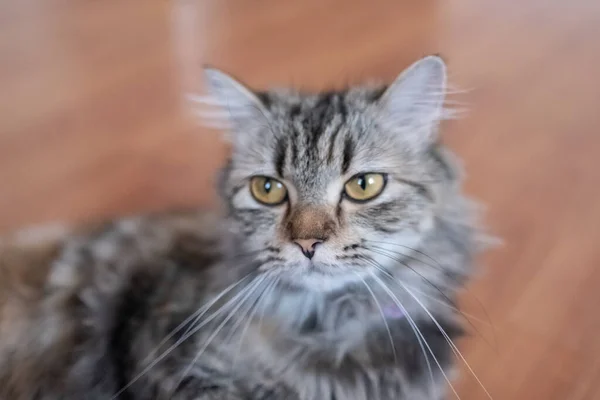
(94, 123)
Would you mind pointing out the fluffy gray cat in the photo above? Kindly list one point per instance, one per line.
(330, 274)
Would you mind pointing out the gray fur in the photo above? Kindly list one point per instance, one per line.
(292, 328)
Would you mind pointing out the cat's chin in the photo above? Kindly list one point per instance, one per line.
(314, 276)
(327, 283)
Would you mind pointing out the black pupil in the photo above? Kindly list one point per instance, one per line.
(268, 185)
(362, 182)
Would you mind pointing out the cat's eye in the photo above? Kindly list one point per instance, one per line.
(267, 190)
(364, 187)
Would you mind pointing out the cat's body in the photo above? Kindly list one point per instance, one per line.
(312, 296)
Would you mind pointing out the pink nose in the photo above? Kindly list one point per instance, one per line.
(308, 246)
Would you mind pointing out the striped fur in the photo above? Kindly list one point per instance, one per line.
(186, 306)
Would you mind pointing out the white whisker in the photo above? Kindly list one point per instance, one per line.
(434, 286)
(196, 326)
(420, 338)
(448, 339)
(241, 319)
(195, 316)
(261, 297)
(259, 281)
(181, 340)
(443, 303)
(262, 314)
(383, 318)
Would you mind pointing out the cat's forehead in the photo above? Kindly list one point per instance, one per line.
(316, 139)
(313, 139)
(286, 103)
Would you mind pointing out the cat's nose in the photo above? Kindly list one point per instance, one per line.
(308, 246)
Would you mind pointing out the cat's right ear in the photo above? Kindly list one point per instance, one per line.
(413, 104)
(230, 105)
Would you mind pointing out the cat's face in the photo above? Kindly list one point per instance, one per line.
(327, 188)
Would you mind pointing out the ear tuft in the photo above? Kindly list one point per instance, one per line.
(414, 101)
(229, 104)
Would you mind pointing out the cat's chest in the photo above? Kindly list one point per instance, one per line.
(365, 354)
(348, 382)
(317, 368)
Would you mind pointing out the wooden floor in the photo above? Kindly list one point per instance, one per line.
(94, 123)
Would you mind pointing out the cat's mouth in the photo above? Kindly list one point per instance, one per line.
(322, 276)
(322, 268)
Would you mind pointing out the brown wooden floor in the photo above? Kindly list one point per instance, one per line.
(93, 123)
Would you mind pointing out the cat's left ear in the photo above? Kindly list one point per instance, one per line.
(413, 104)
(230, 104)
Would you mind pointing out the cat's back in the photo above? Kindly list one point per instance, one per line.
(62, 291)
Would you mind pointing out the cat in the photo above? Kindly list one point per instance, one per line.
(330, 271)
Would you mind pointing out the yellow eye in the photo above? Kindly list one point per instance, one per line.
(267, 190)
(364, 187)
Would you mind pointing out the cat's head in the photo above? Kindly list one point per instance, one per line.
(320, 186)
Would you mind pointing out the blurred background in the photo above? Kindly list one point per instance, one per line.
(94, 123)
